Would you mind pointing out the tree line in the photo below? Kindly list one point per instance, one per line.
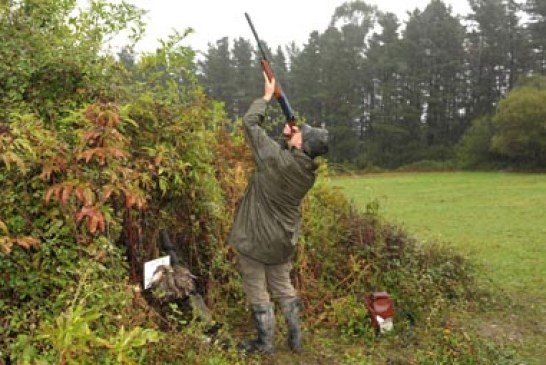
(393, 94)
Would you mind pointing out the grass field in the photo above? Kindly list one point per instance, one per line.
(496, 219)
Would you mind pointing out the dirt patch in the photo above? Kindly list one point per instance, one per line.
(502, 330)
(521, 325)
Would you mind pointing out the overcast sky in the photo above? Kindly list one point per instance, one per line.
(277, 22)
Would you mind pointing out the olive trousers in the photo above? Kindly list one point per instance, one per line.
(262, 282)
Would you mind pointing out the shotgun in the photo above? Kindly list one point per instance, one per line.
(279, 93)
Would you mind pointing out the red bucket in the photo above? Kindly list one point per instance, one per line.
(381, 311)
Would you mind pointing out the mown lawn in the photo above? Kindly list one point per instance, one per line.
(496, 219)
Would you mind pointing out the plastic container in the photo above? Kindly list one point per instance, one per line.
(381, 310)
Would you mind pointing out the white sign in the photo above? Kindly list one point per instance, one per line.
(151, 266)
(385, 324)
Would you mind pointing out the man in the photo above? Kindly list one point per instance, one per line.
(267, 221)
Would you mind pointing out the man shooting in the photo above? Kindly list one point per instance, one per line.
(267, 222)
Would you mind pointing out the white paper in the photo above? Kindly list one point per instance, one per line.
(386, 325)
(151, 266)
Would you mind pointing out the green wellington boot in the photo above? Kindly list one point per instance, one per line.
(264, 318)
(290, 309)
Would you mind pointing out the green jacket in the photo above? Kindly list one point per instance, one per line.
(267, 221)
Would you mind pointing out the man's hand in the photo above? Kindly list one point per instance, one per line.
(269, 88)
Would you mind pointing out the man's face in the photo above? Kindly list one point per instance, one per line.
(289, 130)
(292, 135)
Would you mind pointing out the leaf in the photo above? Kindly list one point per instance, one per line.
(98, 152)
(27, 241)
(117, 152)
(95, 219)
(92, 223)
(85, 211)
(91, 135)
(4, 228)
(86, 155)
(130, 121)
(157, 160)
(47, 195)
(46, 173)
(66, 193)
(106, 192)
(163, 185)
(6, 243)
(23, 144)
(79, 216)
(129, 199)
(87, 197)
(53, 191)
(80, 194)
(58, 191)
(141, 203)
(10, 157)
(113, 119)
(102, 222)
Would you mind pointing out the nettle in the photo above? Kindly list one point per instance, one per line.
(96, 176)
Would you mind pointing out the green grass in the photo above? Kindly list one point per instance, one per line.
(497, 220)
